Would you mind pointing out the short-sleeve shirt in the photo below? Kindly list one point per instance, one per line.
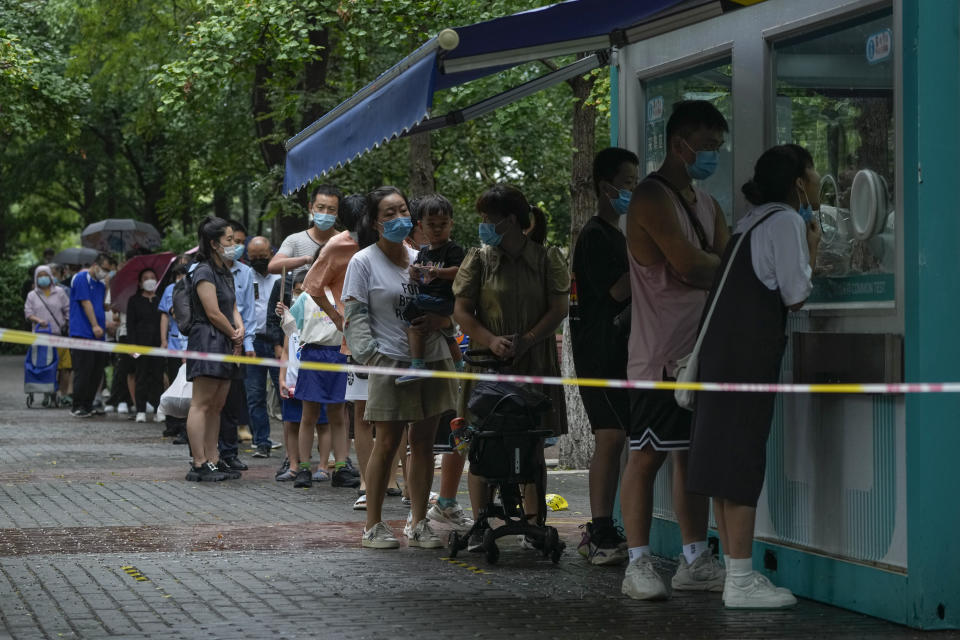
(780, 255)
(449, 254)
(330, 268)
(372, 278)
(599, 261)
(85, 287)
(226, 296)
(297, 245)
(175, 340)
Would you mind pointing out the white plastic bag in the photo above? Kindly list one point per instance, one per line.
(686, 372)
(175, 401)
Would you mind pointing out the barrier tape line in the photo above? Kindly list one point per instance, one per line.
(28, 338)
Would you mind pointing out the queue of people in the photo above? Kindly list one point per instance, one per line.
(653, 269)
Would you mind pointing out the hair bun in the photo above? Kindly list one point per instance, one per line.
(752, 191)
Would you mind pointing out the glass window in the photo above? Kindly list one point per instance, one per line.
(709, 82)
(834, 97)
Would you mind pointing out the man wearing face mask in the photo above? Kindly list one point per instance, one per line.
(88, 290)
(259, 252)
(676, 233)
(599, 326)
(298, 249)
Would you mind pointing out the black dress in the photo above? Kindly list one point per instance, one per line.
(143, 327)
(203, 335)
(744, 342)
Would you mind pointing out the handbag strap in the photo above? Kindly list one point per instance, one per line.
(691, 214)
(53, 316)
(723, 278)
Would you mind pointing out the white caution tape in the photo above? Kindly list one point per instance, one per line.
(27, 338)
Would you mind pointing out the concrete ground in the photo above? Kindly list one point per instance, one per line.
(100, 537)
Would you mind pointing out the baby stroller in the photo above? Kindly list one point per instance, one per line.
(40, 373)
(506, 447)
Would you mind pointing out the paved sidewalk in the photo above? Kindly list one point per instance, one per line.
(100, 537)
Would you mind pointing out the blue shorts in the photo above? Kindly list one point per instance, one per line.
(292, 410)
(328, 387)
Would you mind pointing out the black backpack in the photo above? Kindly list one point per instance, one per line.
(507, 406)
(182, 309)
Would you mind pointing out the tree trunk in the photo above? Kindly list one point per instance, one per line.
(576, 448)
(421, 166)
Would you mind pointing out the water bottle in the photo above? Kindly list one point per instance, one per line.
(458, 433)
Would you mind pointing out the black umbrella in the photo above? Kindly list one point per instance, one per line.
(76, 255)
(119, 235)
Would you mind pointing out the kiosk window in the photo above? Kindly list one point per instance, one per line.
(834, 96)
(709, 82)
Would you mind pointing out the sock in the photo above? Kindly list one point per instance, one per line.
(339, 465)
(739, 569)
(693, 550)
(638, 552)
(418, 363)
(305, 465)
(446, 503)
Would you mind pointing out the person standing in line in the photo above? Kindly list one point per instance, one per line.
(240, 237)
(298, 250)
(48, 307)
(262, 282)
(215, 327)
(143, 327)
(675, 235)
(171, 338)
(599, 330)
(375, 291)
(88, 290)
(744, 342)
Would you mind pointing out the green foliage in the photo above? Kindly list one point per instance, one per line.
(12, 278)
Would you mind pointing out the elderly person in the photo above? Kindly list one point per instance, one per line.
(48, 307)
(511, 295)
(768, 275)
(376, 288)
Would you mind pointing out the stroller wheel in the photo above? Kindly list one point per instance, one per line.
(552, 541)
(453, 544)
(29, 400)
(490, 547)
(46, 401)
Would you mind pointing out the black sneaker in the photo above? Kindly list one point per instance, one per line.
(282, 469)
(205, 473)
(355, 471)
(303, 479)
(231, 474)
(234, 463)
(170, 430)
(475, 542)
(181, 438)
(342, 477)
(81, 413)
(263, 451)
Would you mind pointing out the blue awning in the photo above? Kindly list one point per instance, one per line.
(401, 97)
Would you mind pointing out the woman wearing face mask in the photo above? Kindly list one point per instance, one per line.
(376, 289)
(143, 327)
(768, 276)
(47, 305)
(215, 327)
(511, 295)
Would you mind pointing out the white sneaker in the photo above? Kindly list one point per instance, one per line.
(361, 503)
(150, 408)
(141, 417)
(755, 592)
(379, 537)
(423, 536)
(123, 408)
(452, 515)
(705, 574)
(408, 527)
(642, 582)
(108, 408)
(160, 417)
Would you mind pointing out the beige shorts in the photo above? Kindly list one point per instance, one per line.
(414, 401)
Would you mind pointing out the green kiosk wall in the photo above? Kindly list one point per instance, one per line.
(927, 594)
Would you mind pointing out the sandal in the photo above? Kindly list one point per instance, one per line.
(361, 503)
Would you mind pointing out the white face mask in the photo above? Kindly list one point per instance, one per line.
(149, 285)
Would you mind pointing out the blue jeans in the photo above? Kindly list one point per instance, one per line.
(256, 385)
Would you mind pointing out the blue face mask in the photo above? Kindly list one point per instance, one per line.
(111, 274)
(621, 203)
(324, 221)
(233, 253)
(43, 281)
(397, 229)
(805, 210)
(488, 234)
(705, 164)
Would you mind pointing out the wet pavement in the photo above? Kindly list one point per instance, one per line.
(100, 537)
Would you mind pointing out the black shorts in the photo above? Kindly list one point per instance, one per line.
(606, 408)
(423, 303)
(657, 420)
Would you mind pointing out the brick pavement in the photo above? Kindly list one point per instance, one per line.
(100, 537)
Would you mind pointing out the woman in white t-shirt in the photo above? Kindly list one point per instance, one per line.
(376, 289)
